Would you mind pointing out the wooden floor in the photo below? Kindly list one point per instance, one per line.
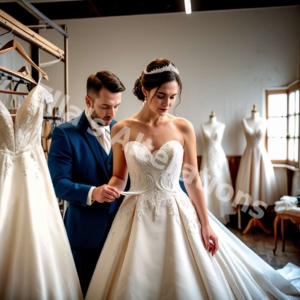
(263, 244)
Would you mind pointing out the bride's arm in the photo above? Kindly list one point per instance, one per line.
(120, 173)
(193, 185)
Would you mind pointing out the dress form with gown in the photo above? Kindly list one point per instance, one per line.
(36, 262)
(256, 176)
(214, 169)
(154, 249)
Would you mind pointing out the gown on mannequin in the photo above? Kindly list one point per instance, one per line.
(154, 249)
(36, 262)
(214, 169)
(256, 176)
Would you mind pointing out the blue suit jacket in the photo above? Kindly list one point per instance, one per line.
(77, 162)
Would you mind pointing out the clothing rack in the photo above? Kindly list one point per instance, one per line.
(34, 39)
(4, 76)
(22, 31)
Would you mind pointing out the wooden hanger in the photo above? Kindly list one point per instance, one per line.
(14, 45)
(23, 73)
(13, 92)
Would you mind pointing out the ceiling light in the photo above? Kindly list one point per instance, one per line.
(188, 6)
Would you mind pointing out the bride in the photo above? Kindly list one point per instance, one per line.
(164, 244)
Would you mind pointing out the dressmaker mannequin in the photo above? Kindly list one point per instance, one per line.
(213, 124)
(255, 176)
(214, 168)
(255, 121)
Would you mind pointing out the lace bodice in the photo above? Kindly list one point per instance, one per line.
(156, 172)
(26, 132)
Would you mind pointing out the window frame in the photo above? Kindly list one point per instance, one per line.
(284, 90)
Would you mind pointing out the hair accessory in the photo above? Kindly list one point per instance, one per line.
(170, 67)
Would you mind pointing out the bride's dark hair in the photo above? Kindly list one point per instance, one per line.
(151, 81)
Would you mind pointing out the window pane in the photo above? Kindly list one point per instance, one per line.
(297, 126)
(292, 103)
(296, 150)
(277, 148)
(277, 105)
(297, 101)
(291, 153)
(292, 126)
(277, 127)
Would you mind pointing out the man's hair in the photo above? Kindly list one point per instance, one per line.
(110, 81)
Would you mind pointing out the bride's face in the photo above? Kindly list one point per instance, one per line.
(160, 101)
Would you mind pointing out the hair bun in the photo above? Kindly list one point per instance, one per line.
(137, 89)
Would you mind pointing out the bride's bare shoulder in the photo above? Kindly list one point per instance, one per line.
(183, 124)
(125, 123)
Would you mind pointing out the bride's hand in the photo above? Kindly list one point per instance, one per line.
(210, 240)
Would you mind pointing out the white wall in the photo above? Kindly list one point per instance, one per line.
(225, 59)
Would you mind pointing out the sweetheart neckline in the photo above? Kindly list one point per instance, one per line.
(213, 131)
(156, 149)
(12, 123)
(250, 129)
(210, 134)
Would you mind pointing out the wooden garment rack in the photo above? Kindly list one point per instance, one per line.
(34, 39)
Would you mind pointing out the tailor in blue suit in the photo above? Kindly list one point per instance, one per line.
(77, 162)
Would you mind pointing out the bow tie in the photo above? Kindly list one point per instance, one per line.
(101, 129)
(100, 124)
(95, 125)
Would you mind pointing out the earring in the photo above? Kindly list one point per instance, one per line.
(145, 99)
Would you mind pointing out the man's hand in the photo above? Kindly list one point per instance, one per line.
(105, 193)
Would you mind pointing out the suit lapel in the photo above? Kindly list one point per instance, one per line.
(95, 146)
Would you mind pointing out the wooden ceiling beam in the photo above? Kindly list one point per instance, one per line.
(93, 9)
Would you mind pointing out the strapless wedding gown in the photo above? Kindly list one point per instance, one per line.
(36, 262)
(214, 169)
(256, 176)
(154, 249)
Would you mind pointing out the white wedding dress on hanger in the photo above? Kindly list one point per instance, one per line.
(154, 249)
(36, 262)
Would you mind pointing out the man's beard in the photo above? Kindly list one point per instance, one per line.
(92, 113)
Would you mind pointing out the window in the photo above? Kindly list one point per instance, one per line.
(283, 124)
